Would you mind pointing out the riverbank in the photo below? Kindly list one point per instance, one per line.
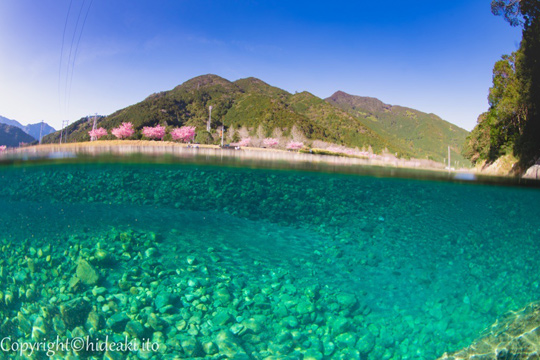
(123, 147)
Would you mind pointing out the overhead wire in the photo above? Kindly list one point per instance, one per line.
(62, 56)
(77, 49)
(69, 58)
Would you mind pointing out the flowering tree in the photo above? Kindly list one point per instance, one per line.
(270, 142)
(185, 133)
(293, 145)
(123, 131)
(3, 148)
(156, 132)
(244, 142)
(95, 134)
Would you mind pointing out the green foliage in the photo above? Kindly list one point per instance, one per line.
(11, 136)
(421, 135)
(204, 137)
(512, 123)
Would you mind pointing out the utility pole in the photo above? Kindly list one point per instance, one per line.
(222, 132)
(93, 138)
(65, 123)
(209, 119)
(449, 164)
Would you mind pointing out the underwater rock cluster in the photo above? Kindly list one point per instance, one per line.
(116, 286)
(253, 264)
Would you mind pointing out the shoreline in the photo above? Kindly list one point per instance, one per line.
(172, 148)
(253, 157)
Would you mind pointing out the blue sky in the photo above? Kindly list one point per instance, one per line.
(435, 56)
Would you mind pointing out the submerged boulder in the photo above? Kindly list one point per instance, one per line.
(516, 337)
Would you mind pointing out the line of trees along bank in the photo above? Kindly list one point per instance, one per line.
(512, 123)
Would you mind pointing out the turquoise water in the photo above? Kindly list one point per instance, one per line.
(229, 262)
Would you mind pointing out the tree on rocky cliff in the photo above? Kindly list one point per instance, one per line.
(512, 123)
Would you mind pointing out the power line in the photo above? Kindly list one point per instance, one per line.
(62, 55)
(77, 49)
(70, 52)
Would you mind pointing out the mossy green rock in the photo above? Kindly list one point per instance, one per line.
(86, 273)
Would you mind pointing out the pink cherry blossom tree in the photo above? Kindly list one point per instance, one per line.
(95, 134)
(295, 145)
(3, 148)
(270, 142)
(156, 132)
(123, 131)
(185, 133)
(244, 142)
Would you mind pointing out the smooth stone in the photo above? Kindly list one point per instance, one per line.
(191, 346)
(253, 326)
(162, 299)
(86, 273)
(345, 340)
(347, 301)
(223, 296)
(328, 347)
(236, 328)
(291, 322)
(118, 321)
(366, 342)
(222, 318)
(305, 308)
(339, 325)
(155, 322)
(135, 329)
(94, 320)
(99, 291)
(229, 346)
(311, 354)
(210, 348)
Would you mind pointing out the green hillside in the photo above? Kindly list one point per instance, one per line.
(260, 110)
(423, 135)
(11, 136)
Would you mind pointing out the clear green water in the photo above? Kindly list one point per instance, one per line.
(315, 265)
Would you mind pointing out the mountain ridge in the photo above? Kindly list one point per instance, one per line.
(31, 129)
(423, 134)
(12, 136)
(254, 108)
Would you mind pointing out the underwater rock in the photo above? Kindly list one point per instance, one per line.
(312, 354)
(191, 346)
(223, 295)
(210, 348)
(135, 329)
(516, 337)
(86, 273)
(347, 301)
(228, 344)
(118, 321)
(222, 318)
(75, 312)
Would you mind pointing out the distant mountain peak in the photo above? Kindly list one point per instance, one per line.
(33, 130)
(365, 102)
(203, 81)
